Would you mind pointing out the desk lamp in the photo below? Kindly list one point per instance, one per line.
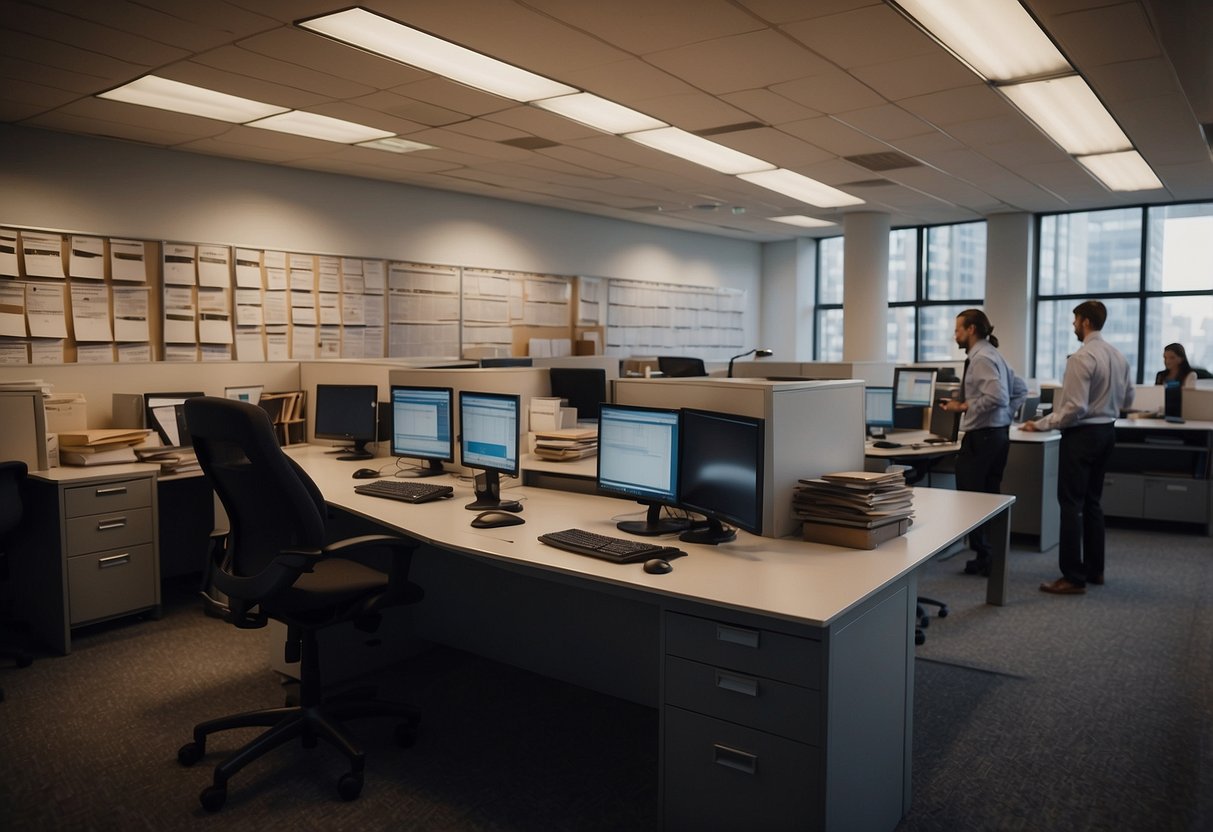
(757, 352)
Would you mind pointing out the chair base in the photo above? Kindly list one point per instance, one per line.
(923, 619)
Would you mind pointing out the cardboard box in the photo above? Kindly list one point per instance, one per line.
(66, 412)
(854, 538)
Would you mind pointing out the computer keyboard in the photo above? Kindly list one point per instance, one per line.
(617, 549)
(409, 492)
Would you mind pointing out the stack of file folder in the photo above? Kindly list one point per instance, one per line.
(858, 509)
(566, 444)
(100, 447)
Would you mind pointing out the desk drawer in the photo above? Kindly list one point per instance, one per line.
(114, 582)
(722, 776)
(107, 496)
(108, 531)
(1176, 499)
(777, 707)
(757, 652)
(1122, 495)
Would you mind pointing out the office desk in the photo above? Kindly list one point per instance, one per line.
(1161, 470)
(783, 670)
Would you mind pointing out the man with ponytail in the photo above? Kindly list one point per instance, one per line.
(990, 393)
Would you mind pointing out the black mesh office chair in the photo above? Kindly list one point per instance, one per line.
(277, 565)
(676, 366)
(12, 478)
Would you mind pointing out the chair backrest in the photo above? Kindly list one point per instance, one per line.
(12, 477)
(1201, 372)
(271, 503)
(584, 387)
(674, 366)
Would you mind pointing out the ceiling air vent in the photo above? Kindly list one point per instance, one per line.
(531, 143)
(865, 183)
(891, 160)
(729, 128)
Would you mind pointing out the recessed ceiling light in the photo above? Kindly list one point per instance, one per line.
(383, 36)
(1125, 171)
(688, 146)
(599, 113)
(803, 221)
(798, 186)
(1069, 113)
(320, 127)
(395, 144)
(154, 91)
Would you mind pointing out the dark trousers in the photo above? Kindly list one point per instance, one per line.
(1083, 459)
(979, 467)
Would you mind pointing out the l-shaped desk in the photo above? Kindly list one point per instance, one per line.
(783, 670)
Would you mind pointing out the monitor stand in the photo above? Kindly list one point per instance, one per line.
(488, 495)
(653, 524)
(431, 468)
(358, 451)
(713, 533)
(876, 432)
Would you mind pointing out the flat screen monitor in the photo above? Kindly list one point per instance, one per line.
(1172, 401)
(488, 440)
(422, 426)
(165, 415)
(583, 387)
(945, 423)
(348, 413)
(638, 458)
(675, 366)
(721, 473)
(878, 407)
(913, 390)
(250, 394)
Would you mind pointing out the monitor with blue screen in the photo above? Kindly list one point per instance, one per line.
(638, 458)
(421, 427)
(488, 440)
(878, 409)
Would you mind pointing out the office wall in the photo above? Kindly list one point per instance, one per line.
(111, 188)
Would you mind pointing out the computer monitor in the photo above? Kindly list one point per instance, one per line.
(488, 440)
(638, 458)
(164, 414)
(585, 388)
(673, 366)
(878, 409)
(507, 361)
(720, 473)
(1027, 410)
(422, 426)
(250, 394)
(945, 423)
(1172, 401)
(913, 390)
(349, 413)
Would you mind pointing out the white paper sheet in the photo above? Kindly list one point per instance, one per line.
(352, 280)
(14, 352)
(274, 259)
(250, 346)
(8, 252)
(330, 342)
(303, 343)
(372, 342)
(372, 310)
(95, 353)
(374, 275)
(128, 260)
(46, 311)
(275, 278)
(275, 308)
(330, 308)
(215, 352)
(91, 313)
(43, 254)
(179, 316)
(12, 309)
(134, 353)
(87, 258)
(276, 348)
(214, 316)
(352, 341)
(181, 353)
(248, 268)
(353, 310)
(329, 274)
(214, 266)
(46, 352)
(180, 264)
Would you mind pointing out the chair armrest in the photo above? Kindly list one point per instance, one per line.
(350, 545)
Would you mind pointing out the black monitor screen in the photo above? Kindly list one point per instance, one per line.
(878, 405)
(721, 470)
(421, 424)
(165, 415)
(913, 387)
(348, 412)
(583, 387)
(638, 452)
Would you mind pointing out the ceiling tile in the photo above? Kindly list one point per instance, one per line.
(768, 107)
(87, 35)
(869, 35)
(834, 136)
(832, 91)
(642, 26)
(408, 109)
(307, 49)
(538, 122)
(1111, 33)
(957, 105)
(885, 122)
(454, 96)
(774, 146)
(916, 75)
(740, 62)
(235, 83)
(786, 11)
(627, 82)
(692, 111)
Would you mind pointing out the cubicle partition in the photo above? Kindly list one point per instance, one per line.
(812, 427)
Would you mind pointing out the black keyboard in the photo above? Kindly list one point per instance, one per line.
(409, 492)
(617, 549)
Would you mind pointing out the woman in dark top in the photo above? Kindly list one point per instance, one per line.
(1175, 359)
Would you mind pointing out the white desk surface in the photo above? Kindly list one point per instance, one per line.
(913, 442)
(1163, 424)
(807, 583)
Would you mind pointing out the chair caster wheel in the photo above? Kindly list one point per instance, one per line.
(350, 785)
(406, 734)
(213, 797)
(189, 753)
(920, 637)
(943, 612)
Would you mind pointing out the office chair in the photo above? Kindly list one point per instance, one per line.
(12, 478)
(672, 366)
(276, 564)
(923, 619)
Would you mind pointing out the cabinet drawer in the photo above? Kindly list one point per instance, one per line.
(110, 583)
(108, 531)
(107, 496)
(758, 652)
(1122, 495)
(766, 704)
(1183, 500)
(722, 776)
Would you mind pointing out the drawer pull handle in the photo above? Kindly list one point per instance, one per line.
(1182, 488)
(106, 525)
(114, 560)
(736, 635)
(732, 758)
(737, 684)
(106, 492)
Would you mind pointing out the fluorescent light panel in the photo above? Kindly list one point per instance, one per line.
(802, 221)
(395, 144)
(1125, 171)
(1070, 114)
(695, 149)
(599, 113)
(317, 126)
(997, 38)
(163, 94)
(800, 187)
(369, 31)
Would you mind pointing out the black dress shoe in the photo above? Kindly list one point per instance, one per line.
(1061, 586)
(978, 566)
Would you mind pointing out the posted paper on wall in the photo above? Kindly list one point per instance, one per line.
(128, 260)
(87, 258)
(91, 312)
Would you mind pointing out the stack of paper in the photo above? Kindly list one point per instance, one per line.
(99, 446)
(172, 460)
(567, 444)
(859, 509)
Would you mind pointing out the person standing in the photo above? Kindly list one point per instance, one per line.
(989, 396)
(1096, 387)
(1176, 367)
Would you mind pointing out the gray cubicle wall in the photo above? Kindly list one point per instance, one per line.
(812, 427)
(877, 373)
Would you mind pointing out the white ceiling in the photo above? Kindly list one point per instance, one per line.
(803, 84)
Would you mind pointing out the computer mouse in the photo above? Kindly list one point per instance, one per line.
(657, 566)
(494, 519)
(366, 474)
(886, 444)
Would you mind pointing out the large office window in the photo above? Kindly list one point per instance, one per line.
(1153, 267)
(934, 273)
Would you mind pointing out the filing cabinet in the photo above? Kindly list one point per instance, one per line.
(1161, 473)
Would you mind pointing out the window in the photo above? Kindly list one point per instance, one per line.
(828, 346)
(1153, 300)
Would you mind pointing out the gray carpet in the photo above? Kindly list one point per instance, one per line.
(1052, 713)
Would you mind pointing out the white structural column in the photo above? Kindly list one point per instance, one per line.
(1009, 286)
(865, 300)
(789, 270)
